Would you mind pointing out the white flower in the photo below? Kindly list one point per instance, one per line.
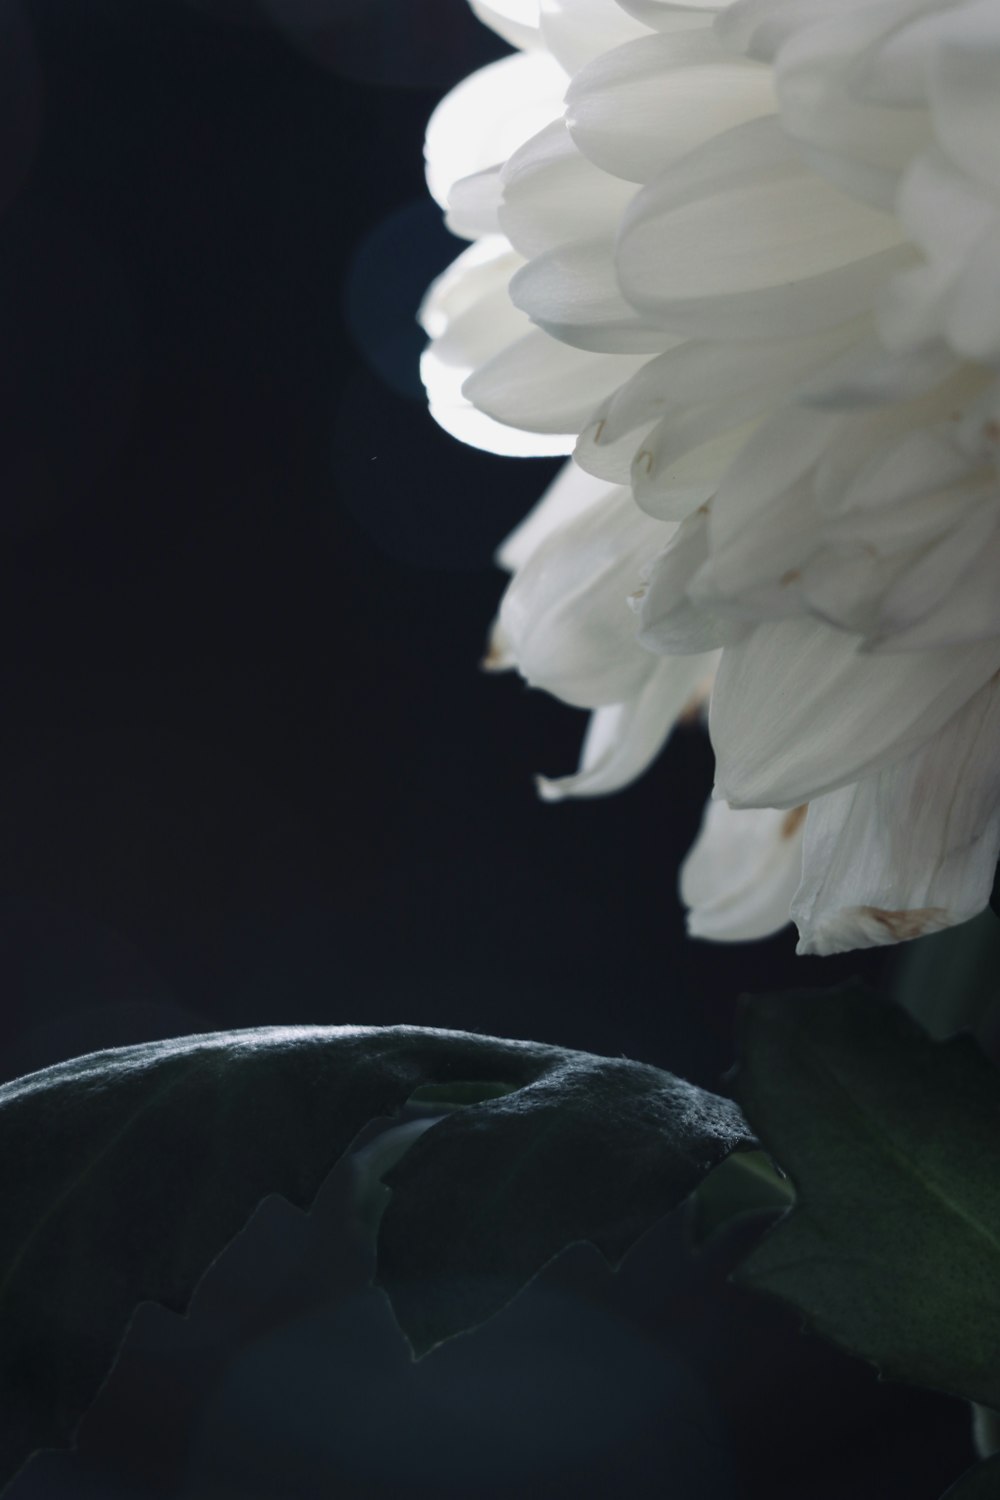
(744, 263)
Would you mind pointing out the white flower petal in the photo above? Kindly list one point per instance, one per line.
(797, 711)
(751, 379)
(498, 656)
(470, 318)
(699, 375)
(567, 496)
(479, 274)
(887, 530)
(862, 144)
(670, 487)
(892, 573)
(845, 584)
(566, 612)
(973, 319)
(459, 417)
(786, 340)
(742, 872)
(740, 240)
(763, 506)
(912, 849)
(944, 211)
(577, 30)
(938, 575)
(517, 21)
(573, 293)
(474, 204)
(636, 110)
(672, 15)
(668, 621)
(488, 115)
(951, 595)
(963, 89)
(758, 576)
(762, 27)
(955, 222)
(553, 195)
(867, 374)
(607, 458)
(895, 450)
(541, 385)
(623, 739)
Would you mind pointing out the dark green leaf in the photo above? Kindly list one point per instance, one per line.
(123, 1175)
(979, 1483)
(950, 980)
(892, 1142)
(595, 1149)
(746, 1186)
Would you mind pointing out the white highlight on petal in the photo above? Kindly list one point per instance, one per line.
(470, 319)
(517, 21)
(488, 115)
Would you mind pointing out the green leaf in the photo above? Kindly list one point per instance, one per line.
(596, 1149)
(950, 980)
(123, 1175)
(892, 1142)
(979, 1483)
(746, 1187)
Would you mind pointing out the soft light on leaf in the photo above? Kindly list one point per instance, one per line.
(746, 1187)
(124, 1175)
(595, 1149)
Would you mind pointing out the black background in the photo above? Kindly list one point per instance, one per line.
(250, 772)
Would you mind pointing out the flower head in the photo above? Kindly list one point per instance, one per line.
(743, 262)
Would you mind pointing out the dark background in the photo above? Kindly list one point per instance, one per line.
(249, 772)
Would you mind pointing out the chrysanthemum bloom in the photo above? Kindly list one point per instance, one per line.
(744, 263)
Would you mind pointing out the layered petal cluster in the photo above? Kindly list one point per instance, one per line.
(742, 262)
